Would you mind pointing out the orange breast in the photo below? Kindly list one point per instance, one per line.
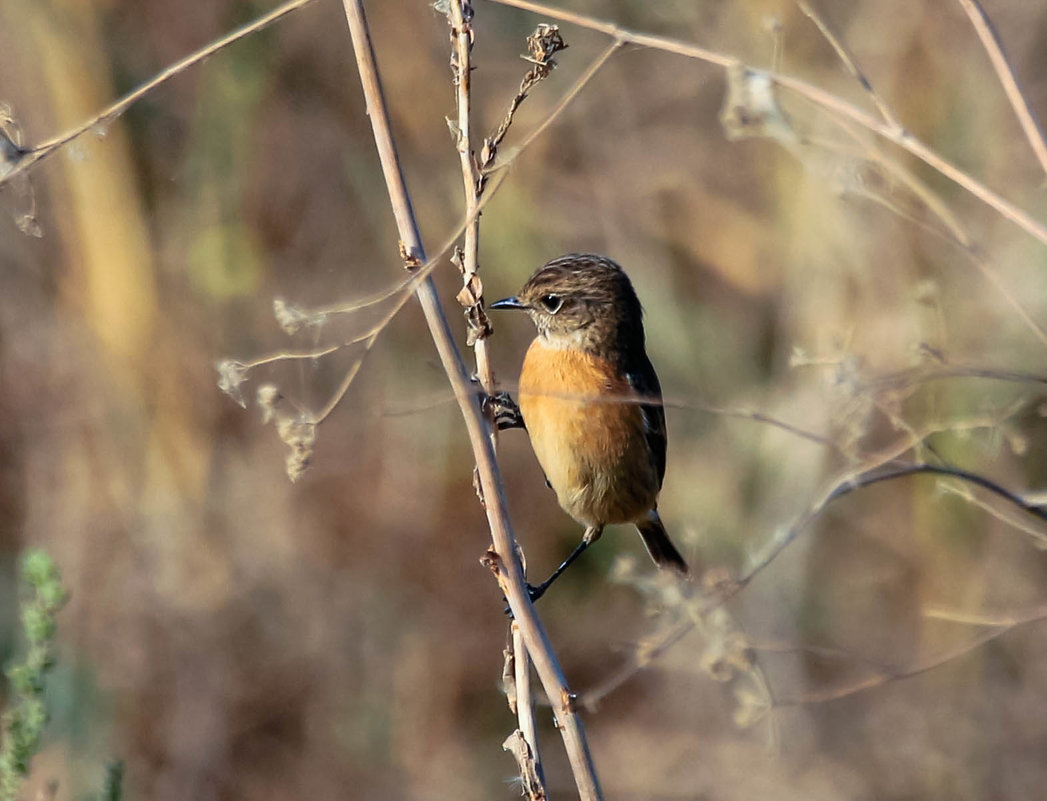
(588, 438)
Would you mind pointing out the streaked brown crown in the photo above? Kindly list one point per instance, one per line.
(587, 301)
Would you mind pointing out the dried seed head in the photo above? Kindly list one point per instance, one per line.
(231, 374)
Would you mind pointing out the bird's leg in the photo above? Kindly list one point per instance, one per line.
(501, 409)
(591, 535)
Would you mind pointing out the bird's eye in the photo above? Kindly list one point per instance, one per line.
(552, 303)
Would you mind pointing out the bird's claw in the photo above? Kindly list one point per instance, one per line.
(533, 592)
(501, 409)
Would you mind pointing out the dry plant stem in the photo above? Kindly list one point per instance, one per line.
(852, 482)
(642, 656)
(505, 560)
(412, 286)
(1035, 533)
(407, 288)
(462, 38)
(991, 42)
(572, 93)
(886, 676)
(758, 417)
(819, 97)
(845, 56)
(39, 152)
(962, 239)
(525, 699)
(957, 234)
(1008, 620)
(653, 648)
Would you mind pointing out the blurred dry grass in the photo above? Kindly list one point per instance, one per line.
(232, 636)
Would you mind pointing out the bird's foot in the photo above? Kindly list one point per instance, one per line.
(533, 592)
(501, 409)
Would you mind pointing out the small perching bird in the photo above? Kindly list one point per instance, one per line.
(591, 402)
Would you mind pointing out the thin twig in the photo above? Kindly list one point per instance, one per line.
(472, 293)
(543, 44)
(849, 62)
(957, 234)
(820, 97)
(503, 559)
(961, 238)
(756, 417)
(30, 156)
(998, 624)
(640, 657)
(1001, 620)
(233, 372)
(1035, 533)
(885, 676)
(851, 483)
(472, 299)
(583, 80)
(525, 712)
(994, 48)
(654, 647)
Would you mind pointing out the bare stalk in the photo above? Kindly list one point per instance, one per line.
(472, 292)
(844, 54)
(523, 743)
(957, 233)
(27, 157)
(852, 481)
(994, 47)
(503, 558)
(472, 298)
(525, 698)
(819, 97)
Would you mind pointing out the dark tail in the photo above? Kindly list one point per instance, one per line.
(659, 546)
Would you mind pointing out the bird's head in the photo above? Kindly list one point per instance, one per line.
(581, 300)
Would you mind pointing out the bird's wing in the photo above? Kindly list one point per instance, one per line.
(644, 382)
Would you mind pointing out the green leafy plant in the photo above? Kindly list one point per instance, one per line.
(23, 722)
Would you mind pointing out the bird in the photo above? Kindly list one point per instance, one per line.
(591, 402)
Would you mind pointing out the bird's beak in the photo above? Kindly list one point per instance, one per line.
(508, 303)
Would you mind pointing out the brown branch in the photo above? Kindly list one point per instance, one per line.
(844, 54)
(652, 648)
(543, 44)
(646, 652)
(956, 233)
(471, 296)
(819, 97)
(522, 703)
(999, 624)
(572, 93)
(990, 40)
(851, 483)
(887, 675)
(502, 558)
(527, 753)
(27, 157)
(525, 698)
(1000, 619)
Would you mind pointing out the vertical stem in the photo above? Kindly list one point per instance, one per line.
(462, 39)
(525, 699)
(990, 40)
(463, 43)
(505, 561)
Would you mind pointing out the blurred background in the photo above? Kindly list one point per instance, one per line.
(233, 636)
